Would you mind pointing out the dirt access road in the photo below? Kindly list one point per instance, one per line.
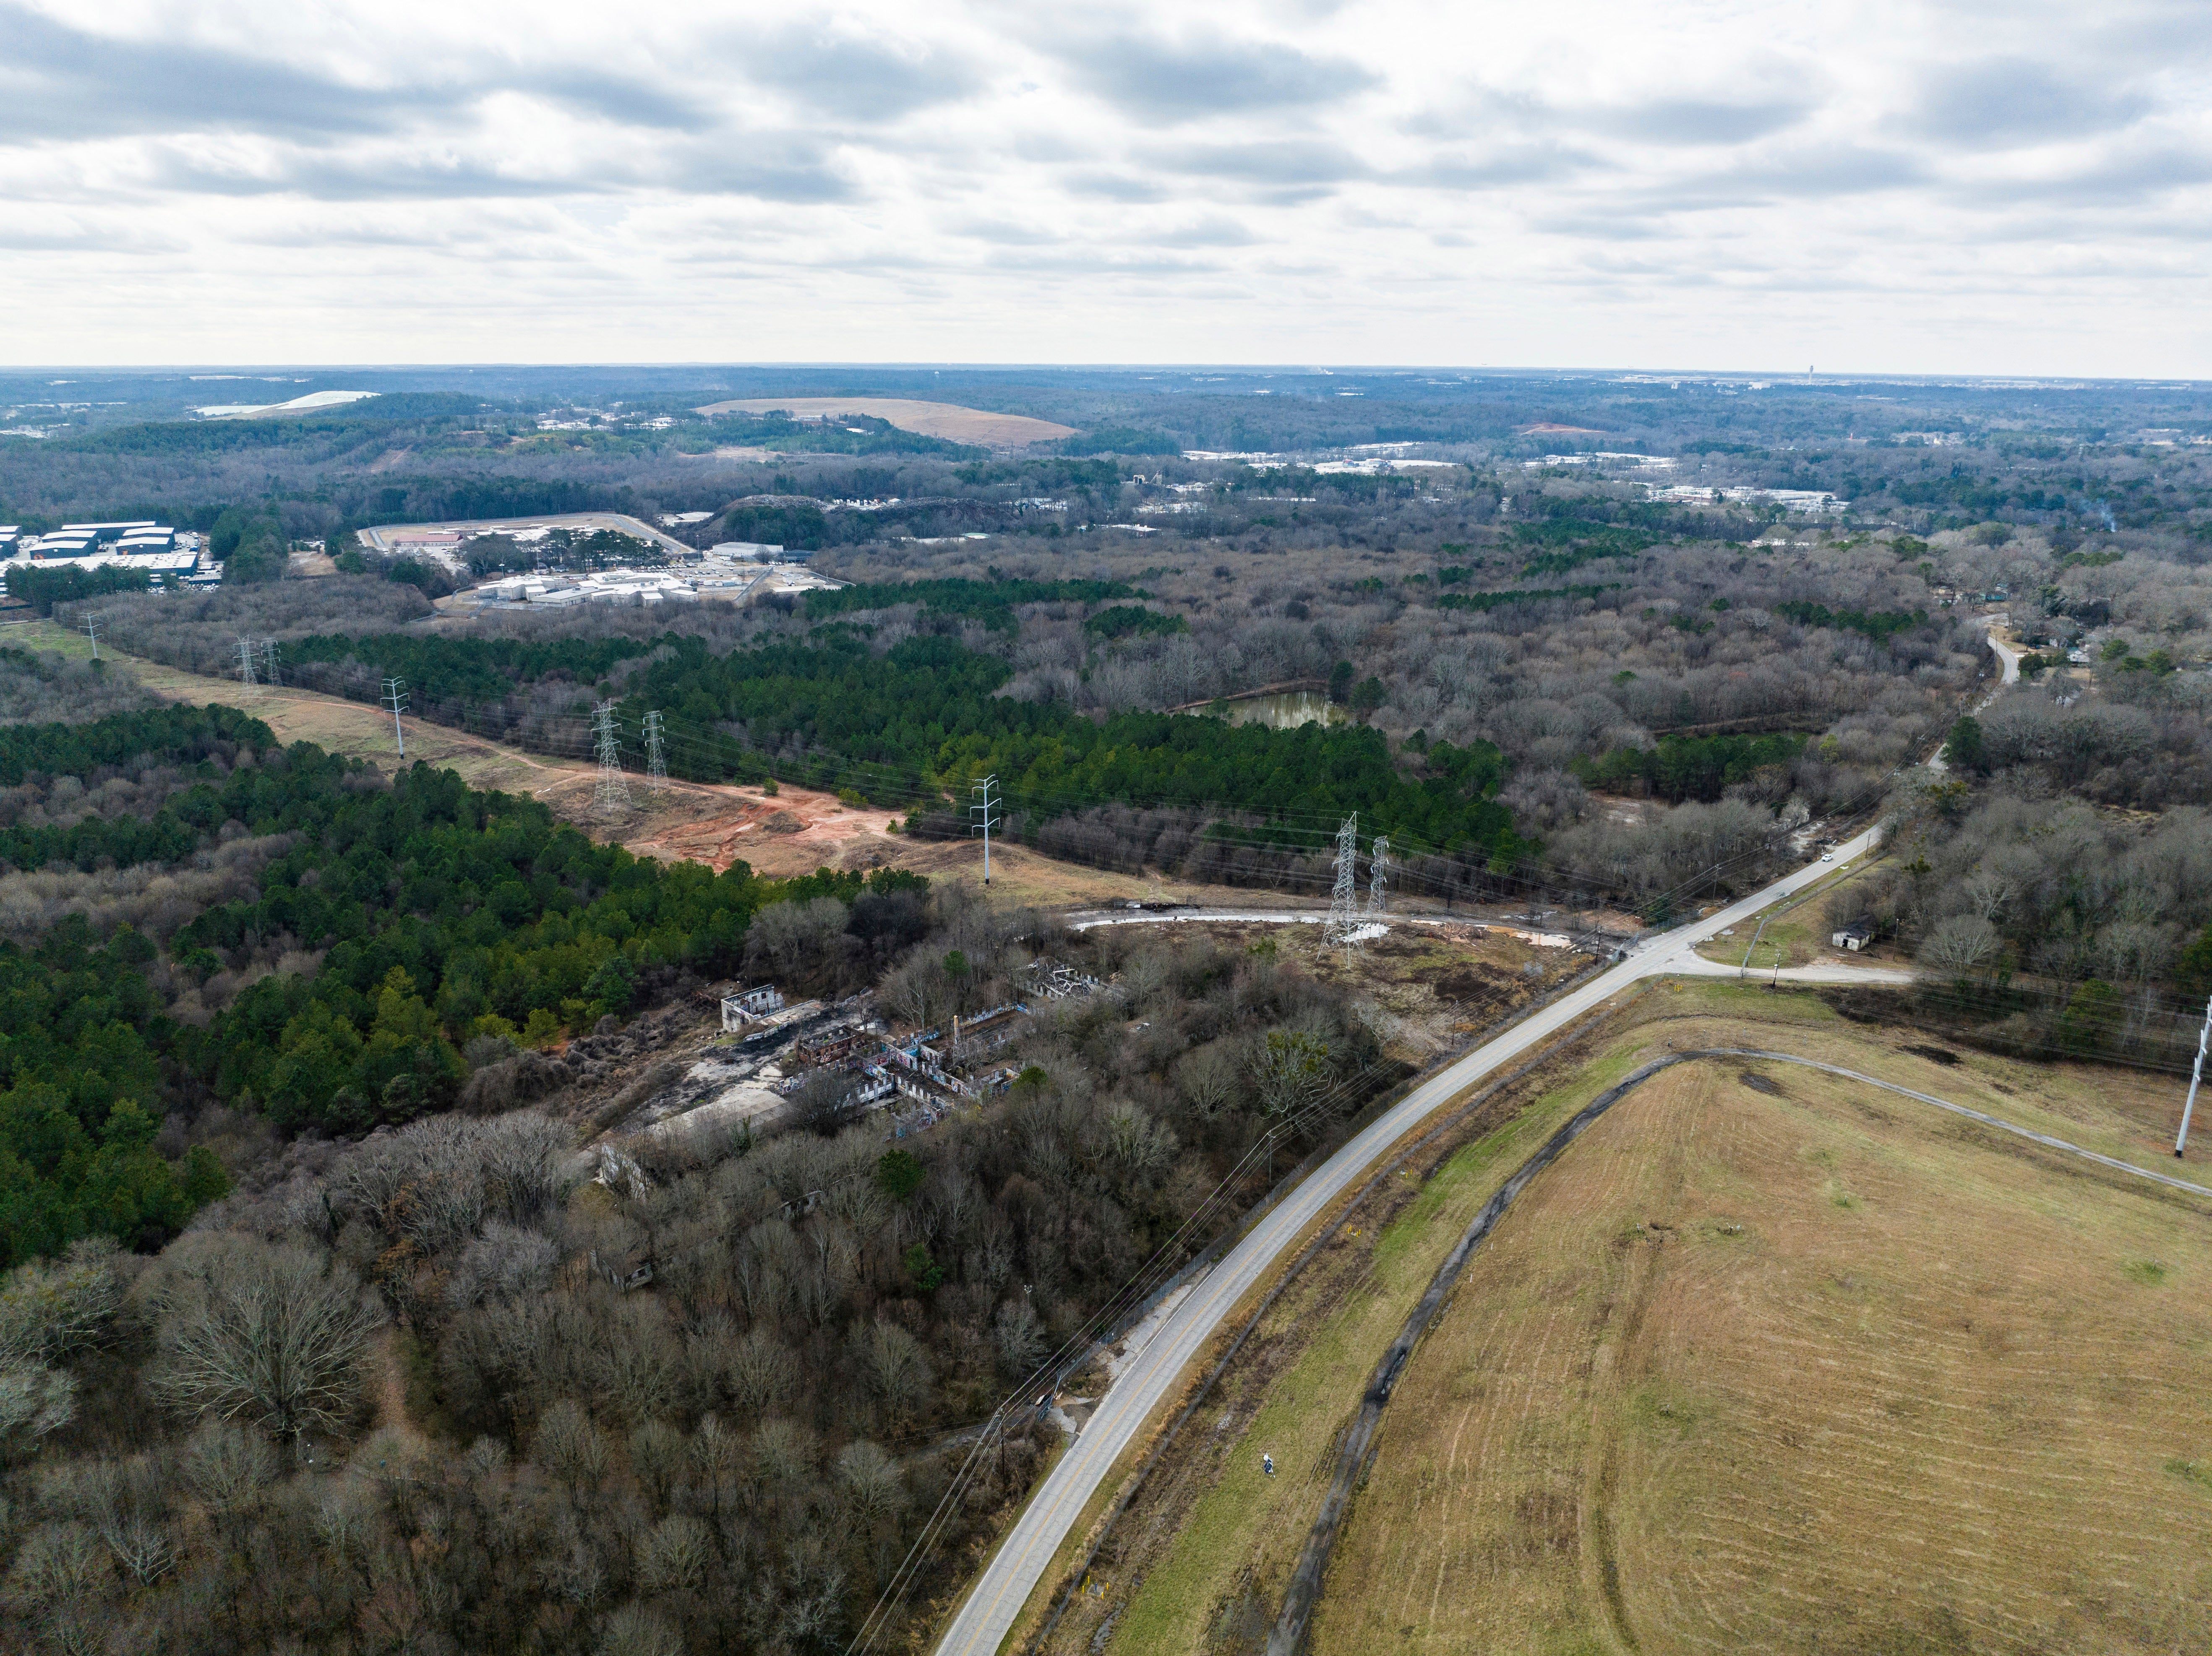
(949, 421)
(1154, 1375)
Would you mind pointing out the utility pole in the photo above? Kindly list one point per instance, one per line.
(656, 753)
(269, 659)
(2196, 1078)
(395, 697)
(1378, 865)
(1344, 901)
(92, 631)
(246, 653)
(613, 793)
(985, 811)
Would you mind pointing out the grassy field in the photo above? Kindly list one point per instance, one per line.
(1772, 1361)
(1217, 1581)
(950, 421)
(1782, 1362)
(1796, 931)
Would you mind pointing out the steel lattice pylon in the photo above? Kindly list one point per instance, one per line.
(656, 752)
(1344, 901)
(1378, 865)
(612, 794)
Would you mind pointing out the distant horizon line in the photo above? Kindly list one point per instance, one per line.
(1776, 376)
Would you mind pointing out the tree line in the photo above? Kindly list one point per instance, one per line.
(439, 915)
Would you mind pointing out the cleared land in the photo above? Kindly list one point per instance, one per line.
(794, 833)
(1784, 1363)
(1776, 1364)
(949, 421)
(620, 522)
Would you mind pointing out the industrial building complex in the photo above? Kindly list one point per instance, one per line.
(142, 544)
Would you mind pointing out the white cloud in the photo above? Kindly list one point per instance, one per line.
(1903, 185)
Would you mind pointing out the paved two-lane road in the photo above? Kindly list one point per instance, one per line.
(1150, 1377)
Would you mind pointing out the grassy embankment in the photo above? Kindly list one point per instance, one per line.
(1755, 1363)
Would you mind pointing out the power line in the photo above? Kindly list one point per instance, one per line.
(92, 631)
(2196, 1078)
(1378, 864)
(247, 655)
(1142, 1282)
(395, 697)
(1344, 899)
(269, 659)
(1468, 866)
(611, 796)
(656, 752)
(985, 821)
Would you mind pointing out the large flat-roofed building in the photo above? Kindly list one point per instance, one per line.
(114, 532)
(140, 544)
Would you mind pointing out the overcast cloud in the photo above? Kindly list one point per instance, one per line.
(1993, 188)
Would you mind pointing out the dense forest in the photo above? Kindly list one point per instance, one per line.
(405, 918)
(1472, 742)
(701, 1405)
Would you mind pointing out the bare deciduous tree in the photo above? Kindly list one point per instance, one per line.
(675, 1555)
(272, 1333)
(569, 1446)
(761, 1372)
(227, 1467)
(1961, 946)
(1209, 1082)
(58, 1576)
(35, 1401)
(634, 1630)
(1018, 1337)
(870, 1481)
(50, 1308)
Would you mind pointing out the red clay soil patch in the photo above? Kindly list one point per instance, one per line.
(795, 832)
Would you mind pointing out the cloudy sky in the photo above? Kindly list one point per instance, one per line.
(1862, 185)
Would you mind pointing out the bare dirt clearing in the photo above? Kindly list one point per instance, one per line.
(949, 421)
(794, 833)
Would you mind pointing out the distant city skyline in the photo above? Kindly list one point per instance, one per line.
(1942, 188)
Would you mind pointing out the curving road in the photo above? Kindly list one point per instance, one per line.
(1150, 1377)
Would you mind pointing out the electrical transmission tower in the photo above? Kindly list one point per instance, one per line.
(2196, 1078)
(92, 631)
(395, 697)
(613, 794)
(1378, 865)
(985, 811)
(1344, 901)
(247, 656)
(656, 752)
(268, 661)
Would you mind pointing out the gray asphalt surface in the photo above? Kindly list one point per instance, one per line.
(1006, 1583)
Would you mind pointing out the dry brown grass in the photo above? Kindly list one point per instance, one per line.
(1578, 1348)
(949, 421)
(1771, 1361)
